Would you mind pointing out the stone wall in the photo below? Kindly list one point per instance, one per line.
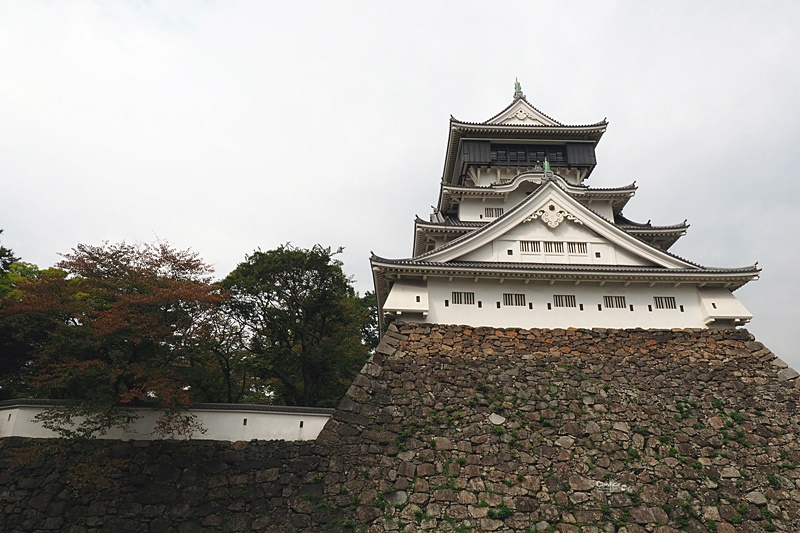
(450, 428)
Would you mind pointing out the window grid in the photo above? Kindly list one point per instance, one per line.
(463, 298)
(664, 302)
(493, 212)
(614, 302)
(530, 246)
(564, 300)
(513, 299)
(553, 247)
(577, 247)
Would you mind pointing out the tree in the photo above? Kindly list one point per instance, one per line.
(19, 332)
(370, 331)
(302, 319)
(6, 258)
(117, 325)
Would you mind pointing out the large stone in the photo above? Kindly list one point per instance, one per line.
(399, 497)
(565, 441)
(642, 515)
(580, 483)
(442, 444)
(591, 428)
(756, 497)
(622, 426)
(496, 419)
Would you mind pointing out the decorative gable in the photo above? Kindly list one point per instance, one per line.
(552, 206)
(552, 215)
(521, 113)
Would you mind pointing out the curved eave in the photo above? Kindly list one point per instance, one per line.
(728, 278)
(662, 238)
(618, 197)
(423, 231)
(655, 230)
(458, 224)
(482, 126)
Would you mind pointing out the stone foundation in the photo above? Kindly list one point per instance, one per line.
(451, 428)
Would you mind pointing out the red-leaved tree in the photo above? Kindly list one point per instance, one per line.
(118, 325)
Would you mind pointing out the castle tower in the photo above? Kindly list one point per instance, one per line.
(518, 240)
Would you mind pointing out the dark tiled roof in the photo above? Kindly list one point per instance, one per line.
(545, 267)
(451, 221)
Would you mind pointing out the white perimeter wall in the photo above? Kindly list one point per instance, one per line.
(224, 425)
(541, 293)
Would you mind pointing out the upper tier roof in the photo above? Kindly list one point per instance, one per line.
(519, 121)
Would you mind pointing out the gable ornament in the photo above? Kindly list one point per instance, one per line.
(553, 216)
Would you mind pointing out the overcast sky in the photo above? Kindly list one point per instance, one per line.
(228, 126)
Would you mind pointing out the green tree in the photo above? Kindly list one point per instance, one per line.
(6, 258)
(370, 331)
(115, 325)
(302, 320)
(20, 332)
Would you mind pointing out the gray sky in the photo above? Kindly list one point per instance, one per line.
(227, 126)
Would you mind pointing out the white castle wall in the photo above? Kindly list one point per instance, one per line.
(489, 293)
(243, 423)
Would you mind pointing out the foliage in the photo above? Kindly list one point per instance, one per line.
(302, 320)
(370, 331)
(6, 258)
(222, 366)
(118, 324)
(20, 332)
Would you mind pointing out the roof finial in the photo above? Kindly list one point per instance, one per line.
(518, 89)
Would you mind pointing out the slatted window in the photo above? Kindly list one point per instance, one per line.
(521, 153)
(577, 247)
(553, 247)
(531, 247)
(564, 300)
(463, 298)
(664, 302)
(493, 212)
(614, 302)
(514, 299)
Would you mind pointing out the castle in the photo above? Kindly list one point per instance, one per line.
(559, 418)
(517, 239)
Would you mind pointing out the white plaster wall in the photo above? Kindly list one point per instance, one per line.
(489, 292)
(565, 232)
(473, 210)
(602, 208)
(223, 425)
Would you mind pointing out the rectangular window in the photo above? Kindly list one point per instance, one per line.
(493, 212)
(577, 247)
(664, 302)
(553, 247)
(463, 298)
(564, 300)
(614, 302)
(531, 247)
(514, 299)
